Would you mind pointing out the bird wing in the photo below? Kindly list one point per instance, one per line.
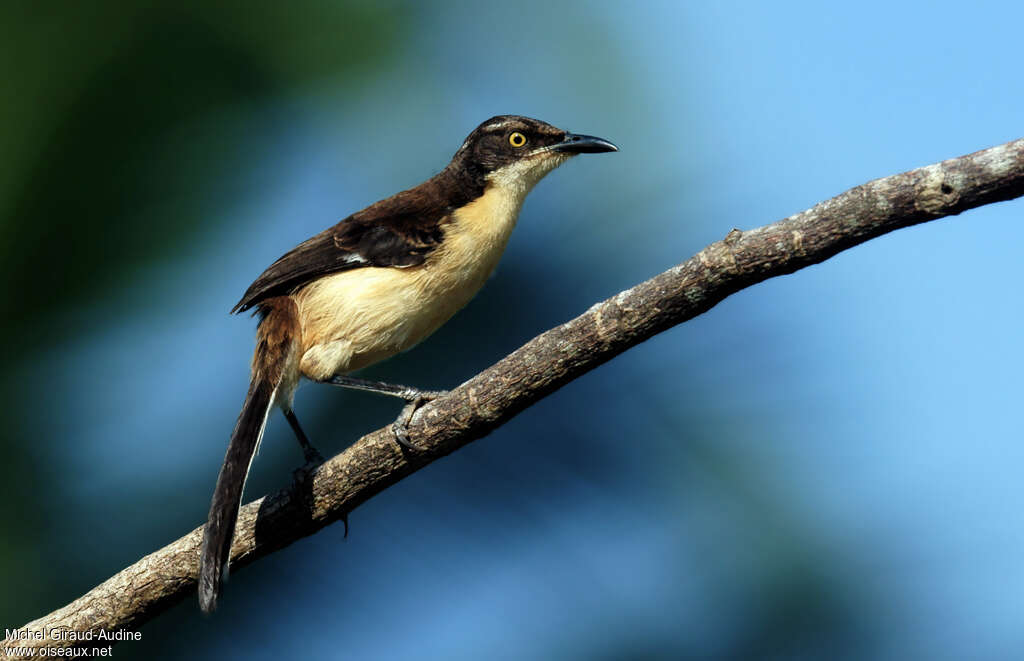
(398, 232)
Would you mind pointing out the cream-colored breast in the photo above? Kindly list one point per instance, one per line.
(355, 318)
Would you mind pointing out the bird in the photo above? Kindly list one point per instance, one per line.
(373, 285)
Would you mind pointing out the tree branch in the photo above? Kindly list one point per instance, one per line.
(546, 363)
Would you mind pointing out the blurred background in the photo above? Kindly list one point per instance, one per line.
(826, 465)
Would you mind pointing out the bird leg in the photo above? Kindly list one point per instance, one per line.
(414, 397)
(313, 456)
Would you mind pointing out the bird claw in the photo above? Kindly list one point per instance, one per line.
(313, 456)
(313, 461)
(303, 472)
(400, 427)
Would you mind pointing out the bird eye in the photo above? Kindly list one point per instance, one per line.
(517, 139)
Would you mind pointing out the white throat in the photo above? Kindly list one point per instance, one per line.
(517, 179)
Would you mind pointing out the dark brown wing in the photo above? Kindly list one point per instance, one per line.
(399, 231)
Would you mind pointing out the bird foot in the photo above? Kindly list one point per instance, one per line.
(313, 461)
(400, 427)
(313, 456)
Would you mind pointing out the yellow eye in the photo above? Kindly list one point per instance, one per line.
(517, 139)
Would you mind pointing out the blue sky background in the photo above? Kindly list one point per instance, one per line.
(826, 465)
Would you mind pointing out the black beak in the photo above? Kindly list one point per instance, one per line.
(583, 144)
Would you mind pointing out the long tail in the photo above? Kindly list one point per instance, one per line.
(276, 348)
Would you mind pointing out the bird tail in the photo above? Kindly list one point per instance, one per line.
(274, 360)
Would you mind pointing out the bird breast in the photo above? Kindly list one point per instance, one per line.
(355, 318)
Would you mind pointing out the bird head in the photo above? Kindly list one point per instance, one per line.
(515, 151)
